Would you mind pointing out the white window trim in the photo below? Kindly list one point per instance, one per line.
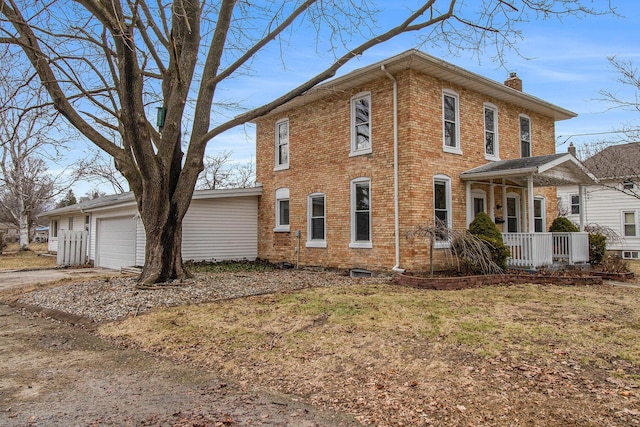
(282, 194)
(635, 223)
(283, 166)
(316, 243)
(447, 149)
(630, 254)
(353, 152)
(571, 196)
(520, 117)
(543, 200)
(360, 244)
(496, 144)
(447, 180)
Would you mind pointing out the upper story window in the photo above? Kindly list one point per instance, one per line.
(630, 224)
(361, 213)
(451, 122)
(491, 132)
(361, 124)
(317, 236)
(442, 206)
(575, 204)
(525, 136)
(282, 210)
(282, 144)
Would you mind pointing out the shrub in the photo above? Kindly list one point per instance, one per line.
(483, 228)
(597, 248)
(3, 242)
(563, 225)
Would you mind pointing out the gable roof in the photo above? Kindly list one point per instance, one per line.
(128, 199)
(549, 170)
(432, 66)
(616, 162)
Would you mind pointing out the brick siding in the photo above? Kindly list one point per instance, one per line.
(319, 162)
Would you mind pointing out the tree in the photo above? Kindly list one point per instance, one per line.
(106, 64)
(220, 172)
(26, 184)
(100, 169)
(69, 199)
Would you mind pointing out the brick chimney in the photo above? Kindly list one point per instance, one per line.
(514, 82)
(572, 149)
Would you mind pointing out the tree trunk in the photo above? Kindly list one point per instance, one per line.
(163, 251)
(24, 227)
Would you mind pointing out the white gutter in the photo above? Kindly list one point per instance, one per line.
(396, 208)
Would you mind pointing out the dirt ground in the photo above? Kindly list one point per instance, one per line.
(58, 375)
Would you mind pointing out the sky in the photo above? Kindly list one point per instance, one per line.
(562, 62)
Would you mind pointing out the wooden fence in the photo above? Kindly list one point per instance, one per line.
(72, 247)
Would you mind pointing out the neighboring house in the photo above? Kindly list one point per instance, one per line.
(615, 202)
(353, 164)
(219, 225)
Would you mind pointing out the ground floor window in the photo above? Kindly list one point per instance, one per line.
(513, 214)
(282, 209)
(630, 224)
(538, 214)
(316, 221)
(361, 213)
(630, 254)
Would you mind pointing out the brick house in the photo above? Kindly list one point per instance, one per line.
(353, 164)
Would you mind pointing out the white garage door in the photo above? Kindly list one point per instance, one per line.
(116, 242)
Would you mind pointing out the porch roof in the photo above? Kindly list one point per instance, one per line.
(545, 171)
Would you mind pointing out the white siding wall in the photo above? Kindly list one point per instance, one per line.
(604, 206)
(141, 239)
(221, 229)
(63, 224)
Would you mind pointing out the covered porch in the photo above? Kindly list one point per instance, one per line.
(519, 195)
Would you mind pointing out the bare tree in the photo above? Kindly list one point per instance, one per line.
(100, 169)
(108, 64)
(217, 171)
(27, 186)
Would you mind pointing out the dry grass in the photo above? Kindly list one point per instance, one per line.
(517, 355)
(13, 259)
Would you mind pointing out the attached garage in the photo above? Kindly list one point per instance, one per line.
(219, 225)
(116, 242)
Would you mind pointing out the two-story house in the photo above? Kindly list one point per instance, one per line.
(613, 203)
(353, 164)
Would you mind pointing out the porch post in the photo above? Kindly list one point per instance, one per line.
(469, 202)
(505, 228)
(581, 195)
(532, 225)
(492, 202)
(523, 211)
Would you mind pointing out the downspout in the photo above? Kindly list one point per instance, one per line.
(396, 208)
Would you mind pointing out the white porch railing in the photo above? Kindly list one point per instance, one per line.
(533, 250)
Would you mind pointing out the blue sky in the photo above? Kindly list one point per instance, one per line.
(563, 62)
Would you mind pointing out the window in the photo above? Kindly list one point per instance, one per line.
(490, 131)
(513, 213)
(86, 222)
(70, 223)
(442, 205)
(575, 204)
(282, 210)
(538, 214)
(361, 124)
(361, 213)
(282, 144)
(629, 222)
(54, 228)
(525, 136)
(317, 229)
(451, 123)
(630, 254)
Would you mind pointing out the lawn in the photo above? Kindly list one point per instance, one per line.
(523, 355)
(13, 259)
